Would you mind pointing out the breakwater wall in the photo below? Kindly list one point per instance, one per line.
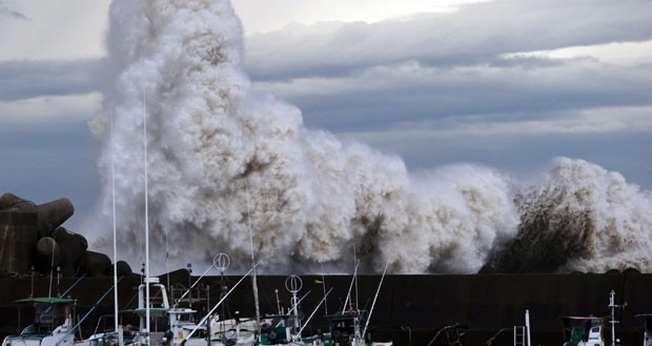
(409, 309)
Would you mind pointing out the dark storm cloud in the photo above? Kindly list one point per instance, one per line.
(503, 94)
(26, 79)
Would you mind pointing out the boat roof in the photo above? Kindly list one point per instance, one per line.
(46, 300)
(152, 311)
(181, 311)
(583, 318)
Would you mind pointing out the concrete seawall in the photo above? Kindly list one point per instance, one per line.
(409, 306)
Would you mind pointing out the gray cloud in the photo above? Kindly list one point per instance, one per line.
(33, 78)
(475, 34)
(496, 93)
(444, 88)
(452, 70)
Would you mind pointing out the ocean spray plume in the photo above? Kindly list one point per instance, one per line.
(223, 158)
(582, 218)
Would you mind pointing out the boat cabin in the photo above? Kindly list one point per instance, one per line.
(52, 324)
(346, 327)
(583, 330)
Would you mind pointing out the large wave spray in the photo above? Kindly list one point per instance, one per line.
(226, 163)
(581, 218)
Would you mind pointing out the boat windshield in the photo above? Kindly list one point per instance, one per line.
(49, 316)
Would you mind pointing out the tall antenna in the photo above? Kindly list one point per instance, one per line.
(348, 294)
(147, 297)
(115, 246)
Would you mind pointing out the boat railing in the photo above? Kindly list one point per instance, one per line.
(453, 332)
(490, 341)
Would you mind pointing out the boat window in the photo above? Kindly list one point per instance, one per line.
(50, 315)
(186, 318)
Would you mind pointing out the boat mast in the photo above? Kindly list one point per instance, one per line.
(210, 313)
(115, 246)
(348, 295)
(371, 310)
(294, 284)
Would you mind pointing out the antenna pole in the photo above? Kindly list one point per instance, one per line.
(147, 297)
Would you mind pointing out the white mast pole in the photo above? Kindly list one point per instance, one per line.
(115, 246)
(612, 310)
(527, 326)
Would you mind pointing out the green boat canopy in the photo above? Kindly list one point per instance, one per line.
(46, 300)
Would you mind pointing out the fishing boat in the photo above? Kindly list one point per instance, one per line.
(348, 327)
(283, 326)
(168, 325)
(55, 320)
(590, 330)
(161, 323)
(52, 325)
(583, 330)
(286, 327)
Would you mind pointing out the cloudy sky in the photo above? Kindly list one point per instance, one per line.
(509, 84)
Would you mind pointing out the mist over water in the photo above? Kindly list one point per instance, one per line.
(229, 168)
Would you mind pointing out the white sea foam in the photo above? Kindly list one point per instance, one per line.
(617, 232)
